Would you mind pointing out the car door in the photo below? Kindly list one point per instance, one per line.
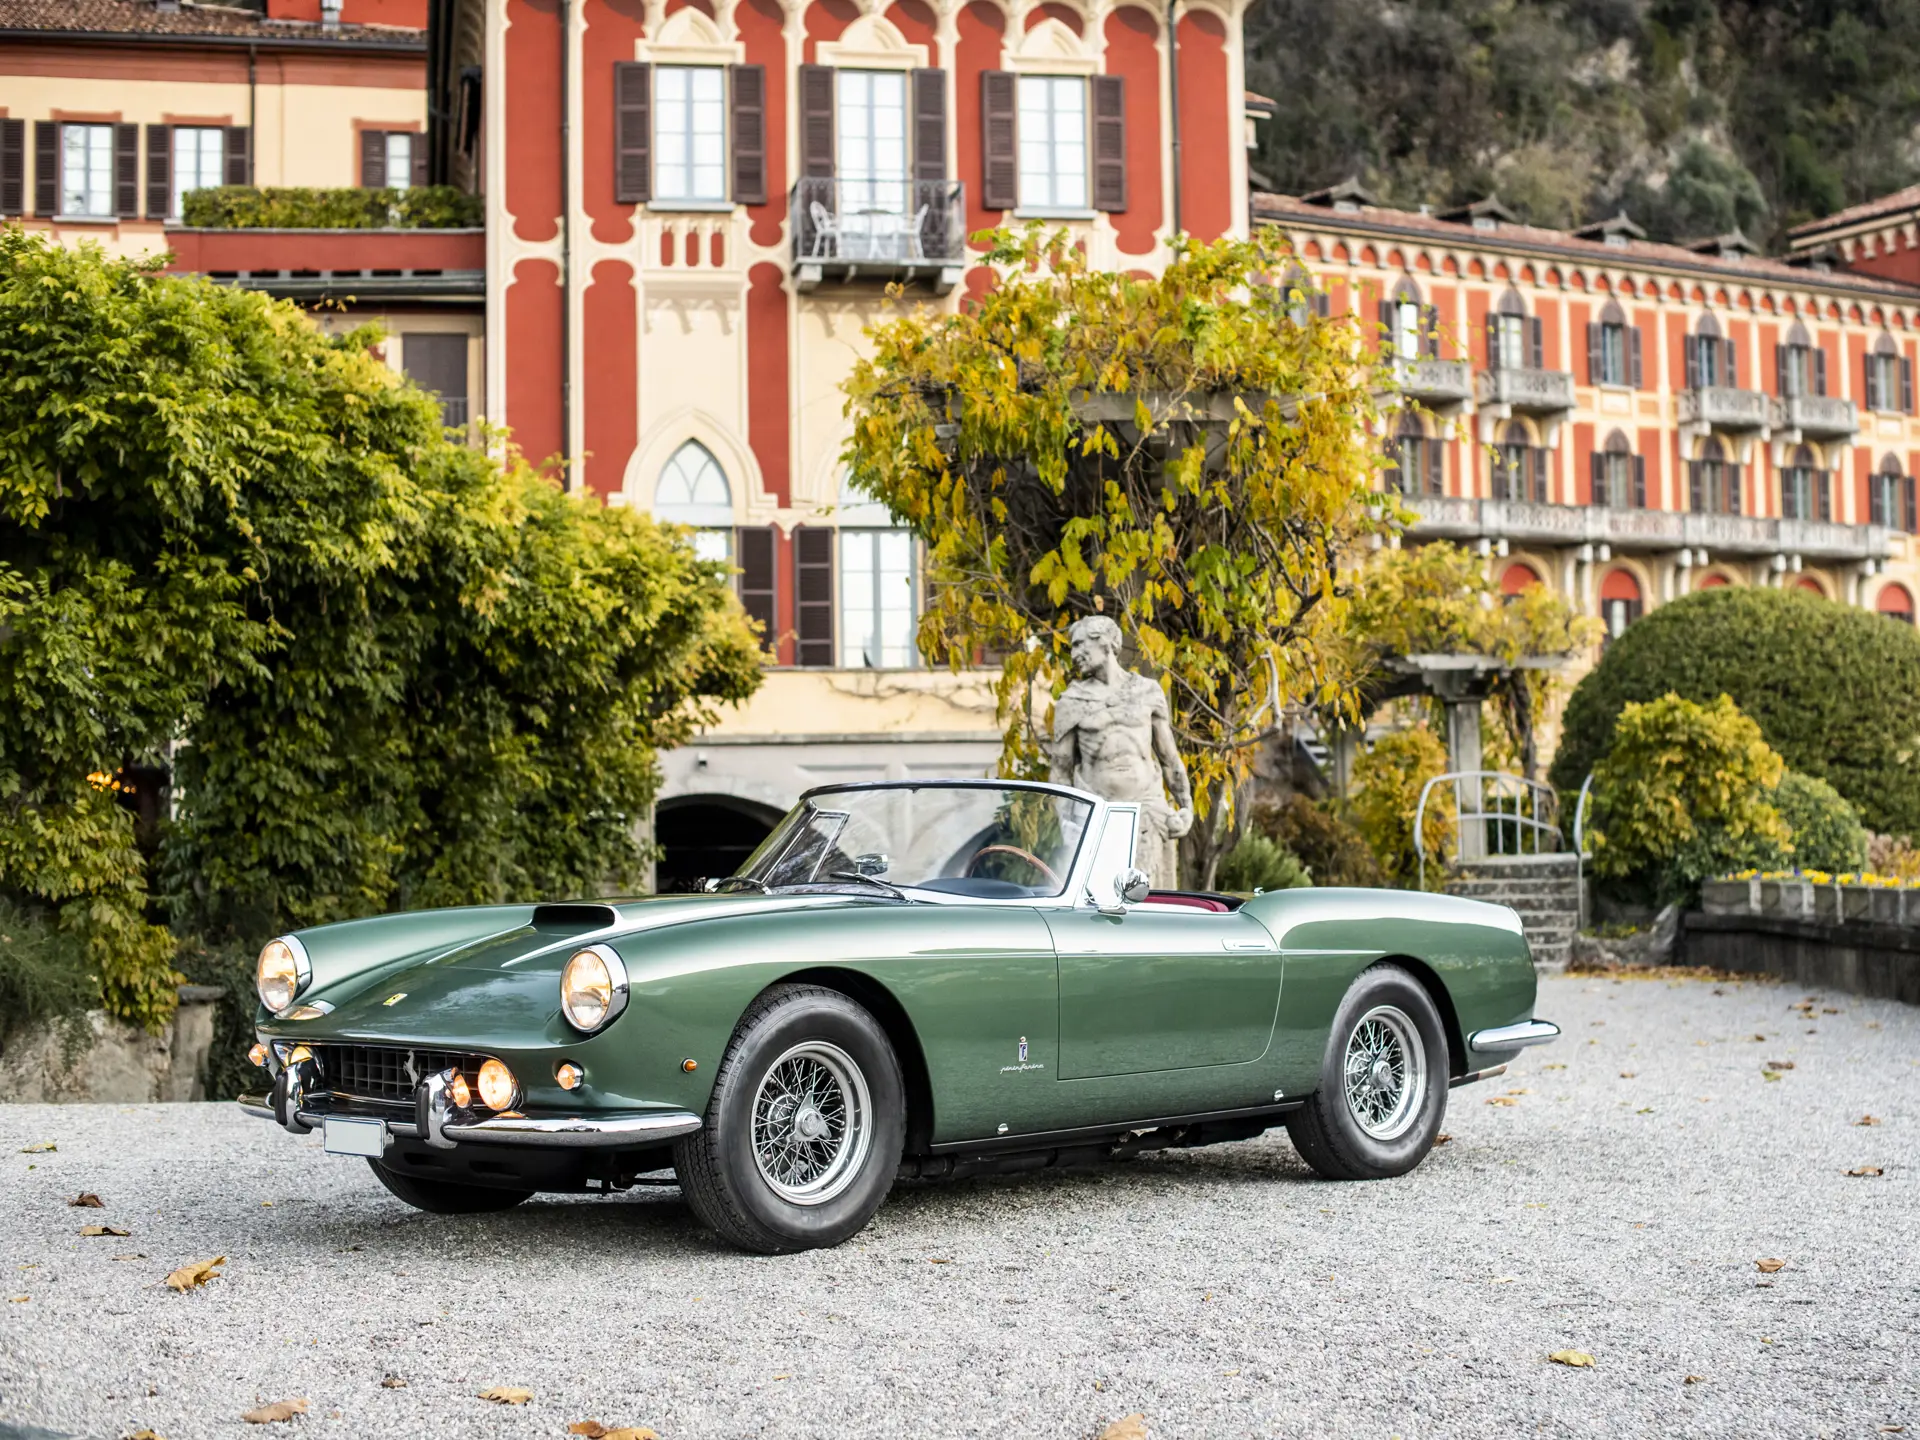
(1154, 988)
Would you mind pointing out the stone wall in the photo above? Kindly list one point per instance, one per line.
(96, 1058)
(1864, 939)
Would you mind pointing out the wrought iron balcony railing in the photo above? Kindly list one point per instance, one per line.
(878, 229)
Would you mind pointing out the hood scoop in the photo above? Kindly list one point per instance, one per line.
(573, 919)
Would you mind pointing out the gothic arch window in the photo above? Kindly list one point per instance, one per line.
(1890, 497)
(1513, 336)
(1806, 490)
(1889, 378)
(1619, 476)
(1521, 470)
(1801, 365)
(1416, 463)
(693, 491)
(1711, 361)
(1412, 329)
(1713, 481)
(1613, 348)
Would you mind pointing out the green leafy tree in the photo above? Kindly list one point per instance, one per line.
(1826, 831)
(1387, 781)
(1186, 453)
(1833, 688)
(386, 669)
(1684, 795)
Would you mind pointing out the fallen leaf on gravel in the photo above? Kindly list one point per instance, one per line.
(1628, 1074)
(1644, 1110)
(629, 1432)
(1579, 1359)
(393, 1382)
(1759, 1037)
(1520, 1092)
(18, 1299)
(1768, 1267)
(279, 1410)
(104, 1230)
(1442, 1138)
(1892, 1429)
(1779, 1064)
(89, 1200)
(1867, 1170)
(43, 1147)
(939, 1260)
(198, 1273)
(138, 1255)
(1769, 1074)
(1133, 1427)
(1501, 1100)
(1503, 1280)
(592, 1429)
(507, 1395)
(145, 1435)
(1694, 1380)
(1553, 1067)
(1868, 1120)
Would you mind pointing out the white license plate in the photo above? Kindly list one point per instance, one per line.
(355, 1137)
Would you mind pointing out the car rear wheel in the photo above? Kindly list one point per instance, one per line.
(446, 1197)
(1383, 1085)
(805, 1126)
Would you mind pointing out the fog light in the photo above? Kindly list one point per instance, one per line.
(258, 1054)
(459, 1094)
(569, 1075)
(498, 1088)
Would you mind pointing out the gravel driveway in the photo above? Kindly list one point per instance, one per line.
(1219, 1292)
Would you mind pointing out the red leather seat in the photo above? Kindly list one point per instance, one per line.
(1196, 902)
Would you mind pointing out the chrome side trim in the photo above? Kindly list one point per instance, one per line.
(1513, 1037)
(258, 1106)
(578, 1131)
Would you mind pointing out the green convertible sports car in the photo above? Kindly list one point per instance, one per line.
(920, 978)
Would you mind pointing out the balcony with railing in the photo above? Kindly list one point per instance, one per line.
(1817, 417)
(1435, 382)
(1529, 522)
(878, 230)
(1719, 407)
(1527, 391)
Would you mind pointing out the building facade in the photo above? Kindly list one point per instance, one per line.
(695, 209)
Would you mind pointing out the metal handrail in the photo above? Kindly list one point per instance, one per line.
(1506, 786)
(1580, 845)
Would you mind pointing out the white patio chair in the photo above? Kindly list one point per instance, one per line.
(826, 233)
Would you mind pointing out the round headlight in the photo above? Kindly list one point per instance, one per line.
(282, 972)
(593, 988)
(498, 1088)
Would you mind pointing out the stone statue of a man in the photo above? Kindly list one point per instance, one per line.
(1112, 735)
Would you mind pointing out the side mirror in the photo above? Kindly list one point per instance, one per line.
(872, 865)
(1132, 885)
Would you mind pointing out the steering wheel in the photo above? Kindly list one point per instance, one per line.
(1026, 855)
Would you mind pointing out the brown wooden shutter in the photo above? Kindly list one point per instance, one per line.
(1912, 518)
(929, 127)
(632, 132)
(1633, 355)
(816, 122)
(159, 171)
(999, 141)
(46, 167)
(749, 101)
(1696, 486)
(754, 547)
(1430, 331)
(1824, 482)
(1780, 370)
(126, 172)
(373, 159)
(418, 149)
(1733, 489)
(1436, 476)
(1596, 479)
(1639, 482)
(813, 594)
(239, 155)
(1596, 360)
(1819, 372)
(1536, 343)
(1110, 143)
(1879, 497)
(1690, 346)
(1732, 381)
(1906, 385)
(13, 167)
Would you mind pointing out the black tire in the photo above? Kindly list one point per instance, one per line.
(1329, 1131)
(803, 1026)
(446, 1197)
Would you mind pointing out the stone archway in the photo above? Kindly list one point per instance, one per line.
(701, 836)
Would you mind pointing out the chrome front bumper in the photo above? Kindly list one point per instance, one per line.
(1513, 1037)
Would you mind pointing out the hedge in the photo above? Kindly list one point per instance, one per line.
(249, 207)
(1835, 690)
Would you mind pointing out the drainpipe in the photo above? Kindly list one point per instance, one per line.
(566, 246)
(1173, 105)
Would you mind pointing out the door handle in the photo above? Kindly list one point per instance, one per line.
(1266, 945)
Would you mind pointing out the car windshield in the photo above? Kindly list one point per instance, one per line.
(982, 841)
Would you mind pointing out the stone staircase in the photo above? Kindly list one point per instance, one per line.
(1544, 889)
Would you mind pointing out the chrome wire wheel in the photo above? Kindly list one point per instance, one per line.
(1386, 1072)
(812, 1123)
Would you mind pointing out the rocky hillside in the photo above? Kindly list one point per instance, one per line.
(1693, 115)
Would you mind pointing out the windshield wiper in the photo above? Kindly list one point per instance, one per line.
(874, 880)
(719, 886)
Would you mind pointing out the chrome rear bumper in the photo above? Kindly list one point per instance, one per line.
(573, 1132)
(1513, 1037)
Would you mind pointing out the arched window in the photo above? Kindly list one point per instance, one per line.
(1513, 336)
(1620, 602)
(1811, 586)
(1619, 476)
(1890, 496)
(1806, 490)
(1613, 349)
(1712, 580)
(693, 491)
(1713, 481)
(1710, 358)
(1416, 463)
(1518, 578)
(1802, 369)
(1413, 329)
(1889, 377)
(1895, 602)
(879, 586)
(1521, 470)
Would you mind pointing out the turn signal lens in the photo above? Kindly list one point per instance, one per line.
(280, 972)
(498, 1088)
(593, 988)
(258, 1054)
(569, 1075)
(459, 1094)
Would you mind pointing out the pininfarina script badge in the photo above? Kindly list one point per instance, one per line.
(1024, 1064)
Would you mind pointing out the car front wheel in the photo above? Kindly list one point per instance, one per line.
(804, 1128)
(1383, 1085)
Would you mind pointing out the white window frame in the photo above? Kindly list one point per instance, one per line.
(1615, 361)
(198, 135)
(70, 129)
(1052, 86)
(1511, 332)
(857, 629)
(400, 176)
(692, 111)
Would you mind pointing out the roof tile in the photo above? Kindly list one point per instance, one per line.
(191, 21)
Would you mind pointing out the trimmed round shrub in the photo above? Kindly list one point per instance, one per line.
(1827, 833)
(1835, 690)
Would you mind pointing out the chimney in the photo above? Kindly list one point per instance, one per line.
(329, 14)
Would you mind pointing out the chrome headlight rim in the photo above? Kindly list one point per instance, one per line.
(617, 988)
(302, 972)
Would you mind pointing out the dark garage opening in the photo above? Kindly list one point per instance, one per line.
(705, 835)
